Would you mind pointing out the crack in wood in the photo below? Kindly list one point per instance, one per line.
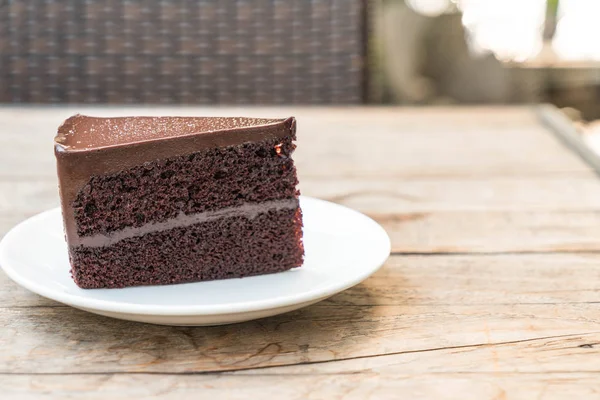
(372, 356)
(588, 345)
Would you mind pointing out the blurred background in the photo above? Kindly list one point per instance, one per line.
(417, 52)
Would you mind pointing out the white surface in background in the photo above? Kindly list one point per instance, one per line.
(578, 30)
(512, 29)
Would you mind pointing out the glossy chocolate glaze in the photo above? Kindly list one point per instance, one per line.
(88, 146)
(81, 133)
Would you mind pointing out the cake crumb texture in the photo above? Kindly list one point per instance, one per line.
(203, 181)
(225, 248)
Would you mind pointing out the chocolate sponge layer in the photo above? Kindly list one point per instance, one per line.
(202, 181)
(224, 248)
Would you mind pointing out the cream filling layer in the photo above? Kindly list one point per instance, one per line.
(249, 211)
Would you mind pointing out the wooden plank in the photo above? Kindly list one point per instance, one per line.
(445, 280)
(482, 180)
(65, 340)
(30, 117)
(392, 148)
(481, 231)
(474, 231)
(350, 142)
(410, 195)
(480, 280)
(383, 196)
(571, 353)
(475, 215)
(17, 296)
(28, 196)
(428, 215)
(550, 193)
(364, 386)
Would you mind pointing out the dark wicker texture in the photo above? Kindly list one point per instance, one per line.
(186, 51)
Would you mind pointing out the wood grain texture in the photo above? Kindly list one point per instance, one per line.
(519, 231)
(449, 280)
(363, 386)
(341, 142)
(556, 354)
(546, 193)
(428, 215)
(473, 232)
(476, 215)
(492, 293)
(491, 194)
(64, 340)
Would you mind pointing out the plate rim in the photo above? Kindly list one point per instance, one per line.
(191, 310)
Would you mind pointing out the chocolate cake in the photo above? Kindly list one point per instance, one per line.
(163, 200)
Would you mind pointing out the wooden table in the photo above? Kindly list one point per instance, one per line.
(492, 290)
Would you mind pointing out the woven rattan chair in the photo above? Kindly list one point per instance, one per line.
(182, 51)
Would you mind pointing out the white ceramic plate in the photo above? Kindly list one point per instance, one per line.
(343, 247)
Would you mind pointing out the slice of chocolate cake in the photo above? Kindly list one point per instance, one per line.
(149, 201)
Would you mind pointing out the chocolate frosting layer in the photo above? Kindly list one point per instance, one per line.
(80, 132)
(89, 146)
(248, 210)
